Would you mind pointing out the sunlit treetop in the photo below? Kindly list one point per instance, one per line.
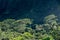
(24, 21)
(50, 17)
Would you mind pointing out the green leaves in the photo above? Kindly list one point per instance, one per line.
(24, 29)
(24, 21)
(25, 36)
(47, 37)
(50, 18)
(20, 25)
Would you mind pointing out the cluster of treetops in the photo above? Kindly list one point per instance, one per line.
(25, 29)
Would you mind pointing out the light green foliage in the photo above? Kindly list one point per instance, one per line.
(20, 25)
(6, 24)
(50, 17)
(47, 37)
(28, 35)
(24, 29)
(24, 21)
(18, 38)
(25, 36)
(59, 28)
(51, 22)
(9, 35)
(39, 27)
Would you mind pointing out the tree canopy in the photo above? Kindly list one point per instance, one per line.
(25, 29)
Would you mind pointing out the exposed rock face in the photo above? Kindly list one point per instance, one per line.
(35, 9)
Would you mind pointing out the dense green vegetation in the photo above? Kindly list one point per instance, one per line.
(25, 29)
